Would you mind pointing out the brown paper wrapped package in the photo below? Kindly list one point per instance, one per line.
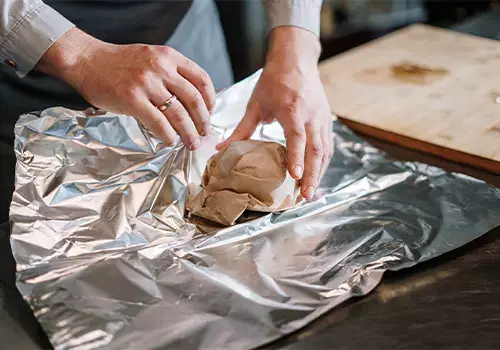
(245, 175)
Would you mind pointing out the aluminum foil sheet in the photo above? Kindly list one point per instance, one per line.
(107, 259)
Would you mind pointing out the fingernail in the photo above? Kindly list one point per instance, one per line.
(309, 192)
(195, 144)
(297, 171)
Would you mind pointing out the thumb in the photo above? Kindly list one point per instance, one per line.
(245, 128)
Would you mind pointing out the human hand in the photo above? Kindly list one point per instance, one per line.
(290, 91)
(135, 80)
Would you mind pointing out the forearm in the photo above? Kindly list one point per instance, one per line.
(293, 44)
(28, 28)
(294, 30)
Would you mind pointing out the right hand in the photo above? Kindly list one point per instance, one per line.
(135, 80)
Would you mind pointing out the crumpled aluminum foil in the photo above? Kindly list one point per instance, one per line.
(107, 259)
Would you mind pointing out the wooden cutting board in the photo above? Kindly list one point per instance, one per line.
(423, 88)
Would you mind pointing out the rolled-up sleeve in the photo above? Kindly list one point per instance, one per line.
(27, 30)
(297, 13)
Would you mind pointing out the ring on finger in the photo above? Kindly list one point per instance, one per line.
(167, 103)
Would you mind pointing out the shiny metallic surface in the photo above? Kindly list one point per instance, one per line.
(167, 103)
(106, 257)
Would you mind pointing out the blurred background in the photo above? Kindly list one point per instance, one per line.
(348, 23)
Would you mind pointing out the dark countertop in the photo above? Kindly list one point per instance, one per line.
(452, 302)
(449, 303)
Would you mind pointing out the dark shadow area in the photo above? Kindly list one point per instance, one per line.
(19, 328)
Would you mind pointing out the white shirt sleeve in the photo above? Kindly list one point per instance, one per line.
(28, 28)
(304, 14)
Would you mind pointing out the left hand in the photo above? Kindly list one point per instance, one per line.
(290, 91)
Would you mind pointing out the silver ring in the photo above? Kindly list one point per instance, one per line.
(167, 103)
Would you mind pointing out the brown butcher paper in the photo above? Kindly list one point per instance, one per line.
(246, 175)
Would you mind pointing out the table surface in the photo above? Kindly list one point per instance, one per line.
(451, 302)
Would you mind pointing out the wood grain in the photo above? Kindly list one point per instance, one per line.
(424, 88)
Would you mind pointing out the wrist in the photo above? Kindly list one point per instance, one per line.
(65, 58)
(295, 44)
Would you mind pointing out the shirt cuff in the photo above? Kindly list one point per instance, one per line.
(31, 37)
(304, 14)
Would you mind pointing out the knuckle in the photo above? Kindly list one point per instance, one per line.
(317, 150)
(189, 64)
(186, 64)
(130, 93)
(167, 51)
(292, 104)
(294, 153)
(205, 79)
(143, 77)
(298, 134)
(292, 98)
(176, 114)
(196, 100)
(311, 174)
(290, 110)
(156, 62)
(146, 49)
(238, 132)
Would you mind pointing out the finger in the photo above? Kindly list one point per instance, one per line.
(313, 159)
(158, 94)
(154, 121)
(246, 127)
(327, 139)
(200, 79)
(180, 121)
(295, 145)
(192, 100)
